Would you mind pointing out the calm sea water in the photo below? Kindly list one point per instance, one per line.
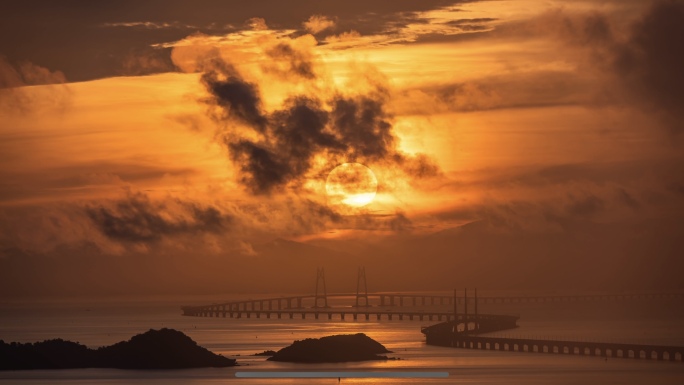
(102, 323)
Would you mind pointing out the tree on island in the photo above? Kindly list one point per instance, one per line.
(154, 349)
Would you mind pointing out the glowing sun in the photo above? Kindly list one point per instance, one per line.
(352, 184)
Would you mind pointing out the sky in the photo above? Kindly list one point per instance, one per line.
(169, 147)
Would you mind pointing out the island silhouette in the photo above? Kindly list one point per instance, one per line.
(337, 348)
(154, 349)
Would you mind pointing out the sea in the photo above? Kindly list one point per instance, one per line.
(97, 323)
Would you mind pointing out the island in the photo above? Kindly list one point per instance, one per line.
(154, 349)
(337, 348)
(267, 353)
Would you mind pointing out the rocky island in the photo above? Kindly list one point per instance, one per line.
(338, 348)
(154, 349)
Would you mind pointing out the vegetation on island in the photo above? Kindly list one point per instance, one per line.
(337, 348)
(154, 349)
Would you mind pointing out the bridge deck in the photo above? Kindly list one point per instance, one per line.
(390, 306)
(602, 349)
(400, 299)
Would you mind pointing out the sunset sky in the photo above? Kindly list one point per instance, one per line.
(173, 147)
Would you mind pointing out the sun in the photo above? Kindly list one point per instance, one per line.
(352, 184)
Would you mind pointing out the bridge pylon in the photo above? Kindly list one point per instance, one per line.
(320, 281)
(361, 293)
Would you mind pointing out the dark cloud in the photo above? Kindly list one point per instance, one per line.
(400, 223)
(295, 62)
(585, 206)
(147, 60)
(138, 219)
(236, 97)
(342, 129)
(472, 25)
(625, 197)
(14, 76)
(471, 21)
(26, 73)
(308, 216)
(87, 40)
(645, 60)
(651, 61)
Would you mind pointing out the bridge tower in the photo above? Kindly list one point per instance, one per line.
(361, 279)
(477, 321)
(465, 309)
(320, 281)
(455, 308)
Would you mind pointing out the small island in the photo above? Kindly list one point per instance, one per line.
(154, 349)
(267, 353)
(338, 348)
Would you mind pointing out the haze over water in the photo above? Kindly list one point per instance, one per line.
(96, 323)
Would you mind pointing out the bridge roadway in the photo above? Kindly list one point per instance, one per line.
(363, 313)
(466, 335)
(602, 349)
(377, 304)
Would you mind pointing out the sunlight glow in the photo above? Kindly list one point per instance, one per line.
(352, 184)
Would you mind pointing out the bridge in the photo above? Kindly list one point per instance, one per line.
(448, 334)
(390, 306)
(602, 349)
(464, 332)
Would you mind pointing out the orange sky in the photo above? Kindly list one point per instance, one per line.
(535, 119)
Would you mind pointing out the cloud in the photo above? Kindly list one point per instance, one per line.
(138, 219)
(637, 62)
(150, 25)
(27, 73)
(308, 133)
(147, 61)
(587, 205)
(288, 60)
(318, 23)
(237, 98)
(14, 77)
(400, 223)
(257, 24)
(650, 62)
